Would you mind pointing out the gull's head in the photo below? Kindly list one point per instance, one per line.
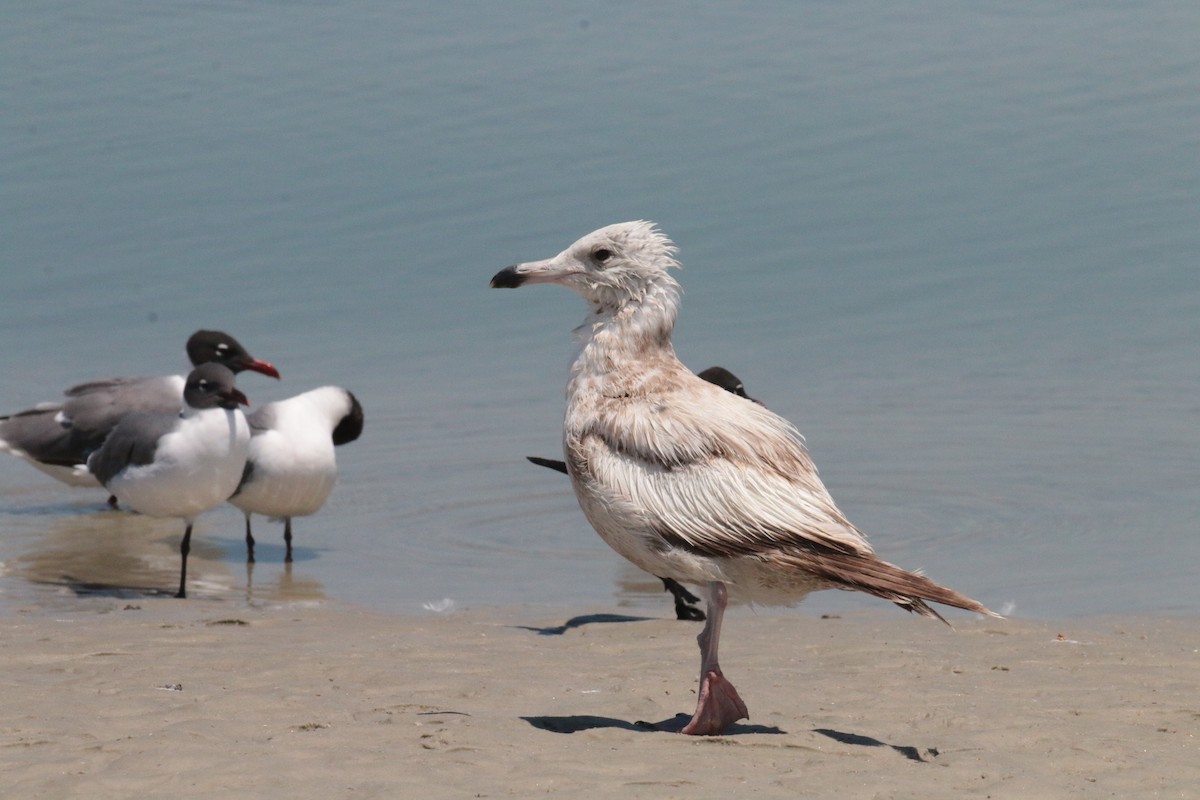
(211, 386)
(608, 268)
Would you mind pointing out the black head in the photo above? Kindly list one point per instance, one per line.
(212, 386)
(719, 376)
(218, 347)
(350, 427)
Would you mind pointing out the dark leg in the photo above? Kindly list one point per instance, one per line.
(719, 705)
(112, 502)
(249, 542)
(684, 600)
(184, 548)
(287, 539)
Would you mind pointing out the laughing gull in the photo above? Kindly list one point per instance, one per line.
(292, 468)
(181, 464)
(689, 481)
(57, 437)
(685, 601)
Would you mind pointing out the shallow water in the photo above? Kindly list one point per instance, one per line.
(954, 244)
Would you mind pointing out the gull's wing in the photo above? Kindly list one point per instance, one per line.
(263, 419)
(723, 477)
(95, 408)
(704, 469)
(64, 434)
(132, 443)
(37, 434)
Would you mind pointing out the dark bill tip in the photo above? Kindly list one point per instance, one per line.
(234, 398)
(507, 278)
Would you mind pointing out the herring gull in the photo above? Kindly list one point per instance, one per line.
(685, 601)
(687, 480)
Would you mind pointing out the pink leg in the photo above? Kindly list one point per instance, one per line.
(719, 705)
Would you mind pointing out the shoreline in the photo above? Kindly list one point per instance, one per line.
(155, 697)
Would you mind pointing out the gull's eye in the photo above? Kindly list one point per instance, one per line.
(602, 254)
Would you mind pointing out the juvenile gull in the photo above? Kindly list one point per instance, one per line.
(685, 601)
(180, 464)
(57, 437)
(687, 480)
(685, 608)
(291, 468)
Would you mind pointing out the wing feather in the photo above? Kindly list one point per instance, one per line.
(716, 473)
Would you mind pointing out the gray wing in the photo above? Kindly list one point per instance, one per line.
(95, 408)
(40, 435)
(132, 442)
(261, 419)
(64, 434)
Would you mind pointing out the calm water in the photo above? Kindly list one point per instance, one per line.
(956, 244)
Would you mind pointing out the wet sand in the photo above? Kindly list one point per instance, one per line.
(164, 698)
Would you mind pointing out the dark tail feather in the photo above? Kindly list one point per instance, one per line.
(549, 463)
(867, 573)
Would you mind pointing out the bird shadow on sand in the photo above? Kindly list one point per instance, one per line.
(908, 751)
(585, 722)
(82, 588)
(579, 622)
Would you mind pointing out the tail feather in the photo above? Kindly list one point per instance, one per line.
(867, 573)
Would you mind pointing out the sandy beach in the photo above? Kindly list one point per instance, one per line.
(157, 698)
